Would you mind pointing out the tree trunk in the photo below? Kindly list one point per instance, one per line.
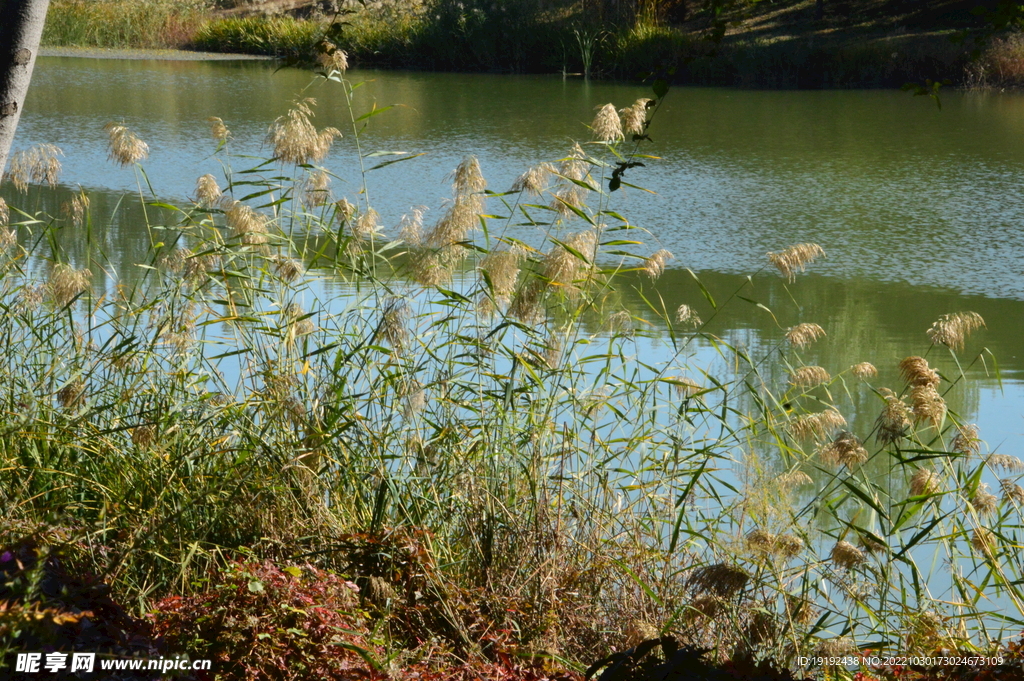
(21, 27)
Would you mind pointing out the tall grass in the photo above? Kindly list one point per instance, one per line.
(132, 24)
(292, 382)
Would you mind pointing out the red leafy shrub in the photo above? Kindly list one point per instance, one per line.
(262, 622)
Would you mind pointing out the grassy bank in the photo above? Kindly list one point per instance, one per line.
(455, 448)
(778, 46)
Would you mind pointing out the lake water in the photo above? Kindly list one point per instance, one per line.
(919, 209)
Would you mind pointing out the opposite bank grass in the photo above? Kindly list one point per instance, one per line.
(471, 433)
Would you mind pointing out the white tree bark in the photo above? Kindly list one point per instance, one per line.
(21, 27)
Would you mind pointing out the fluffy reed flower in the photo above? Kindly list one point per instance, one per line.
(924, 482)
(687, 387)
(846, 555)
(607, 126)
(502, 270)
(792, 479)
(430, 269)
(74, 210)
(983, 501)
(761, 541)
(834, 647)
(719, 579)
(392, 328)
(125, 146)
(207, 191)
(143, 436)
(298, 321)
(38, 165)
(527, 306)
(5, 213)
(1012, 491)
(804, 334)
(893, 422)
(966, 441)
(952, 330)
(788, 546)
(461, 218)
(8, 237)
(620, 322)
(845, 449)
(984, 541)
(819, 425)
(795, 259)
(219, 131)
(568, 197)
(330, 58)
(915, 371)
(927, 405)
(864, 370)
(870, 544)
(415, 398)
(66, 283)
(197, 265)
(316, 189)
(574, 166)
(705, 606)
(30, 297)
(288, 269)
(410, 229)
(345, 209)
(800, 610)
(467, 178)
(296, 140)
(246, 224)
(1010, 464)
(72, 395)
(634, 118)
(687, 315)
(809, 377)
(564, 268)
(654, 266)
(535, 180)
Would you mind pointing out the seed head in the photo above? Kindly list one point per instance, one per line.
(792, 479)
(804, 334)
(819, 425)
(207, 191)
(8, 237)
(795, 259)
(761, 541)
(655, 265)
(219, 131)
(834, 647)
(316, 189)
(392, 327)
(66, 283)
(845, 449)
(924, 482)
(984, 541)
(288, 269)
(330, 58)
(74, 210)
(345, 210)
(893, 422)
(72, 395)
(535, 180)
(846, 555)
(528, 306)
(864, 370)
(800, 610)
(915, 371)
(467, 178)
(37, 165)
(502, 269)
(299, 323)
(869, 544)
(567, 197)
(634, 118)
(459, 220)
(364, 227)
(410, 229)
(1012, 491)
(295, 139)
(143, 436)
(607, 127)
(246, 224)
(952, 330)
(687, 315)
(788, 546)
(1010, 464)
(687, 387)
(966, 441)
(415, 398)
(5, 213)
(984, 502)
(30, 297)
(719, 579)
(125, 146)
(928, 405)
(809, 377)
(565, 268)
(620, 322)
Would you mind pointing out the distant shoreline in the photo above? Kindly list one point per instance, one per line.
(128, 53)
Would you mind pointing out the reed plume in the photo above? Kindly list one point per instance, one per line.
(564, 266)
(984, 541)
(966, 441)
(790, 480)
(924, 482)
(295, 139)
(927, 405)
(218, 130)
(208, 192)
(795, 259)
(74, 210)
(687, 387)
(330, 58)
(72, 395)
(864, 370)
(1010, 464)
(916, 372)
(804, 334)
(535, 180)
(983, 501)
(467, 178)
(687, 315)
(845, 449)
(1012, 491)
(953, 329)
(654, 266)
(5, 213)
(502, 270)
(246, 225)
(719, 579)
(846, 555)
(634, 118)
(893, 422)
(288, 269)
(818, 425)
(66, 283)
(125, 147)
(607, 126)
(410, 229)
(345, 209)
(316, 189)
(37, 165)
(809, 377)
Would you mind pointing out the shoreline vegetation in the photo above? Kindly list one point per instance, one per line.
(765, 44)
(466, 467)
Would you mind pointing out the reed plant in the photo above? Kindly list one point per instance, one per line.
(133, 24)
(466, 424)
